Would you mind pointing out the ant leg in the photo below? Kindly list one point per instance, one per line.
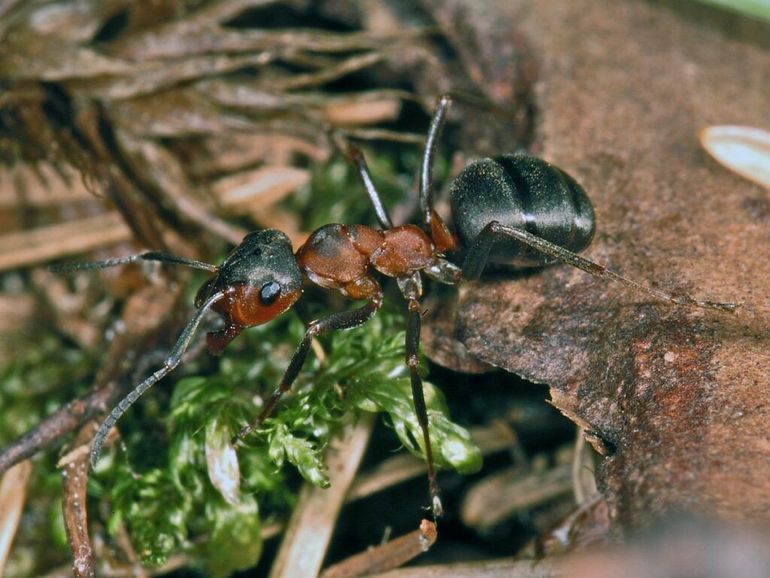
(476, 259)
(149, 256)
(411, 288)
(433, 223)
(342, 320)
(438, 120)
(174, 358)
(218, 340)
(437, 123)
(356, 157)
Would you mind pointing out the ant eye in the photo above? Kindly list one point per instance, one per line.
(269, 293)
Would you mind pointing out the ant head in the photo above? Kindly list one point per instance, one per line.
(261, 278)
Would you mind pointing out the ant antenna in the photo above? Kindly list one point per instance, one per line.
(149, 256)
(169, 364)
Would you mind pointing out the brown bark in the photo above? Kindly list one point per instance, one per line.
(677, 398)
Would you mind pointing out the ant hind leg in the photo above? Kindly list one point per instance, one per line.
(478, 253)
(356, 157)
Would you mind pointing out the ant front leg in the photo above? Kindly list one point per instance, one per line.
(356, 157)
(411, 287)
(335, 321)
(478, 253)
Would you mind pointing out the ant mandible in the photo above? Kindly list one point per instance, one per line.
(517, 210)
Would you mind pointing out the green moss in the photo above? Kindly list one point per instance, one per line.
(36, 383)
(754, 8)
(211, 487)
(182, 485)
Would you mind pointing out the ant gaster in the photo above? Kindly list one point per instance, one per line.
(513, 209)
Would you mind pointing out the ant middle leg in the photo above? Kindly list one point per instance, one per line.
(432, 221)
(478, 254)
(335, 321)
(437, 122)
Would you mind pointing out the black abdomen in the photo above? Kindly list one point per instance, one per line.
(526, 193)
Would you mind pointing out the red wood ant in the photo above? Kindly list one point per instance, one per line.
(513, 209)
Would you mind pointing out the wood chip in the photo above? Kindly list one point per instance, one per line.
(742, 149)
(362, 112)
(310, 528)
(47, 243)
(253, 190)
(13, 491)
(402, 467)
(386, 556)
(45, 186)
(502, 568)
(499, 496)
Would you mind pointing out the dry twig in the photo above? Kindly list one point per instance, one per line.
(13, 492)
(387, 556)
(310, 528)
(75, 478)
(502, 568)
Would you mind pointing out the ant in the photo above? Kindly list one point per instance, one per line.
(516, 210)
